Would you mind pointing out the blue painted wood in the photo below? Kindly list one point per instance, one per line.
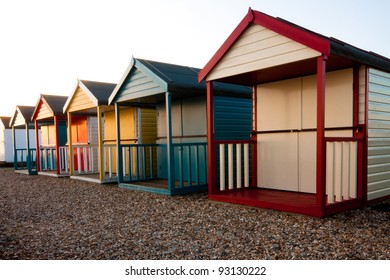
(170, 155)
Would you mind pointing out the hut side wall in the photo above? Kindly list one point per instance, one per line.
(378, 181)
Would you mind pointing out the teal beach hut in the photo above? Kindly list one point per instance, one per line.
(176, 163)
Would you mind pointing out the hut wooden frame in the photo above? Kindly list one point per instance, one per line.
(185, 172)
(52, 159)
(24, 158)
(320, 56)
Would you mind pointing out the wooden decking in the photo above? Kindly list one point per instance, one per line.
(53, 173)
(160, 186)
(94, 177)
(301, 203)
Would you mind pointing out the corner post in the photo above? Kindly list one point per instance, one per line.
(254, 136)
(70, 146)
(58, 167)
(38, 152)
(321, 145)
(100, 144)
(28, 156)
(119, 158)
(170, 151)
(14, 146)
(211, 161)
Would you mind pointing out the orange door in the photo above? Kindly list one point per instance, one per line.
(79, 136)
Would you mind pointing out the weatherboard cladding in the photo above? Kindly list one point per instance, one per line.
(378, 179)
(80, 101)
(135, 83)
(22, 115)
(259, 48)
(148, 78)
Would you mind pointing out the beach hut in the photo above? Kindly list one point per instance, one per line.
(92, 131)
(85, 109)
(23, 140)
(321, 131)
(50, 123)
(6, 151)
(176, 161)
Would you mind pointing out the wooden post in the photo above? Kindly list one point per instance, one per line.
(170, 152)
(58, 167)
(254, 136)
(100, 144)
(211, 161)
(14, 145)
(70, 146)
(38, 152)
(321, 145)
(28, 156)
(119, 159)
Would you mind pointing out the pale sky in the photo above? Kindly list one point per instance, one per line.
(45, 45)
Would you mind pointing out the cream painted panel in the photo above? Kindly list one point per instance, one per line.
(278, 161)
(339, 98)
(176, 119)
(307, 162)
(259, 48)
(309, 102)
(278, 105)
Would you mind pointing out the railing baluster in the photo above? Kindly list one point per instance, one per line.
(151, 161)
(230, 166)
(353, 169)
(246, 165)
(222, 167)
(110, 161)
(238, 165)
(189, 166)
(197, 164)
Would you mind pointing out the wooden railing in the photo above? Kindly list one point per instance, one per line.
(85, 158)
(25, 161)
(143, 162)
(47, 158)
(342, 168)
(233, 164)
(109, 150)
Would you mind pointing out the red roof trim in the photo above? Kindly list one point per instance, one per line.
(302, 36)
(306, 38)
(226, 45)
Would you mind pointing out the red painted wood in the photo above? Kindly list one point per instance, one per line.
(286, 201)
(365, 147)
(321, 145)
(232, 142)
(38, 152)
(294, 202)
(254, 136)
(211, 161)
(355, 88)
